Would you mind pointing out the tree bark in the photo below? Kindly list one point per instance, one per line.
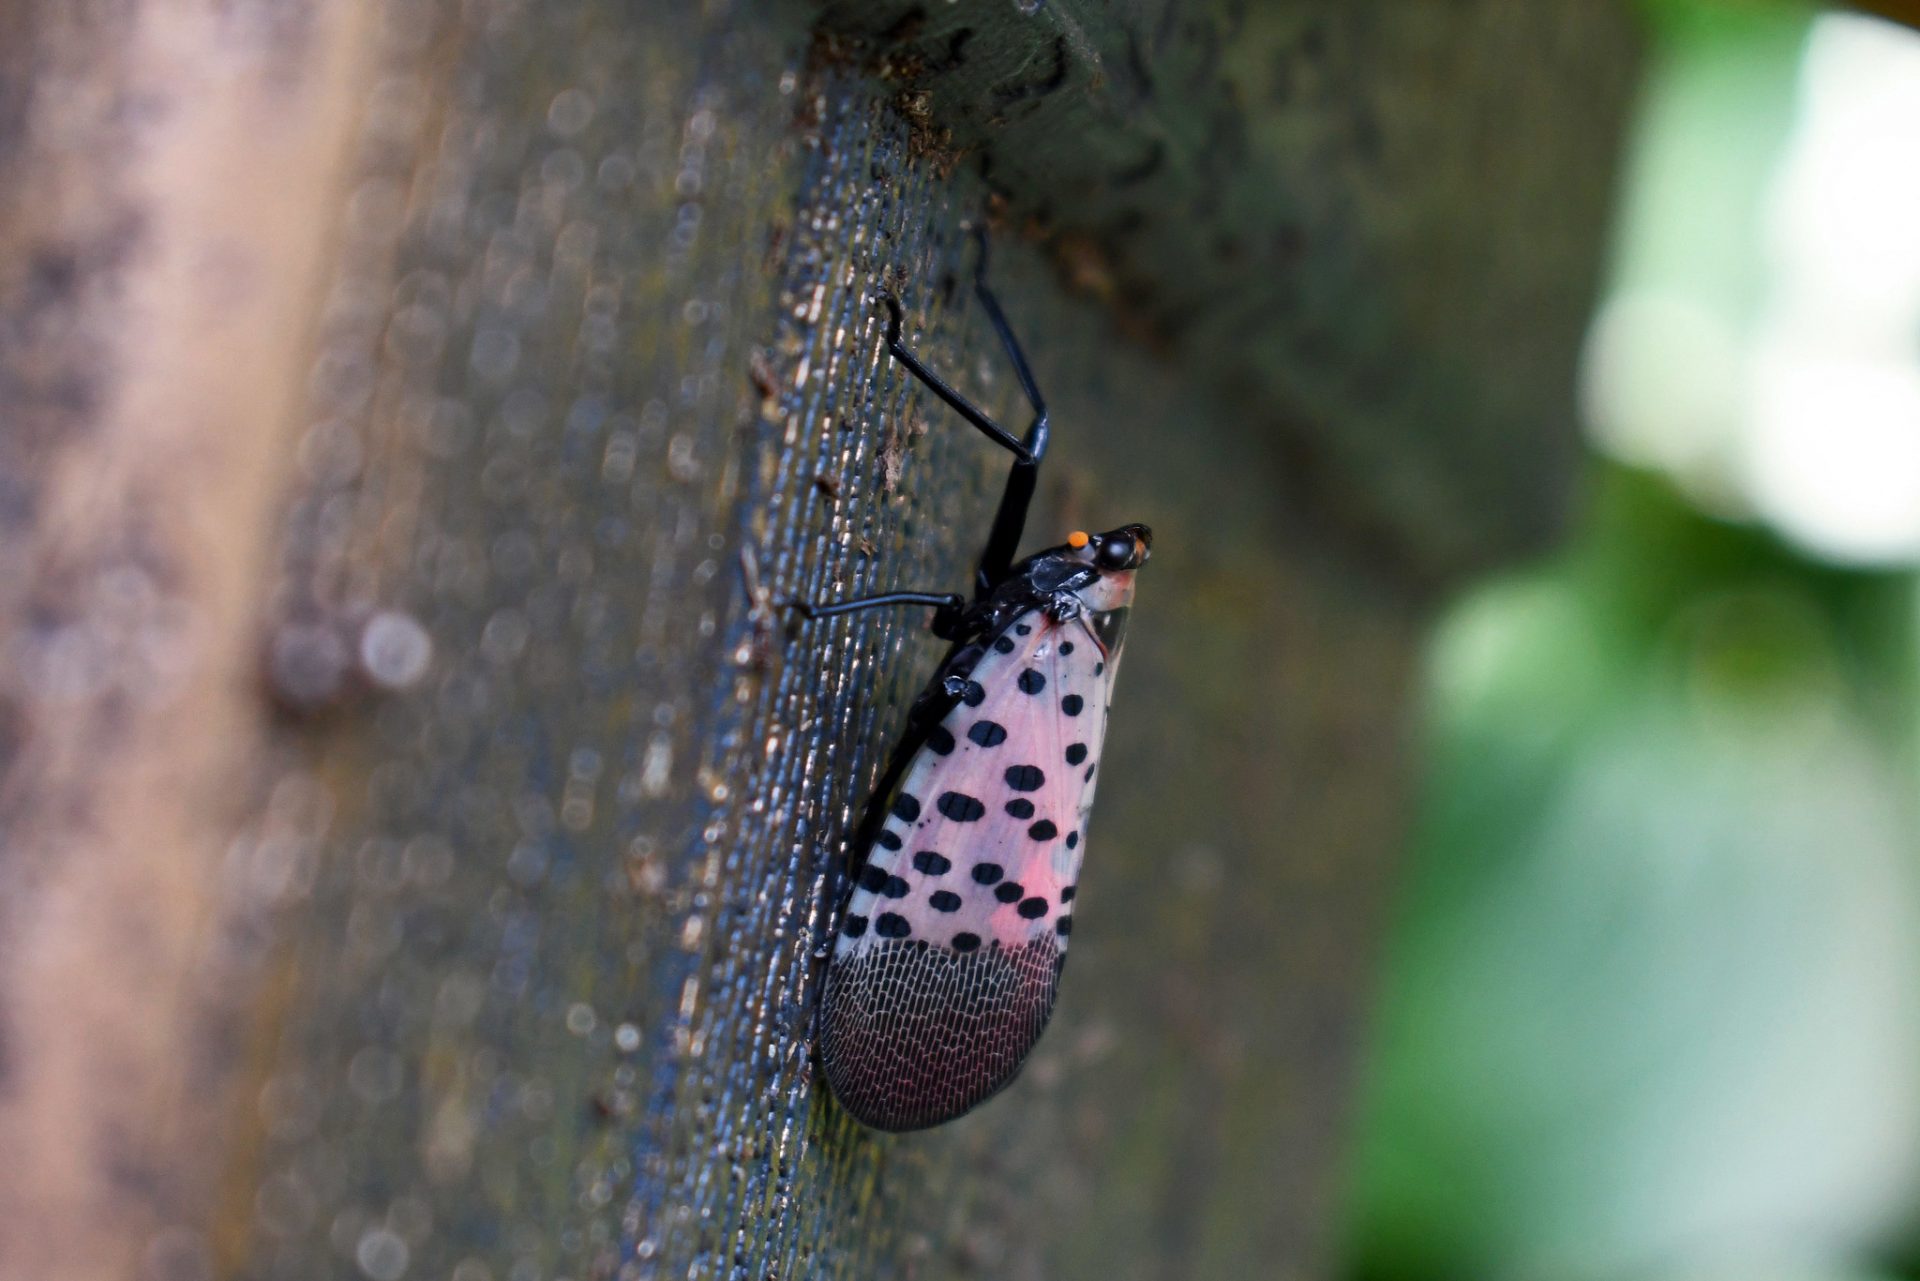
(416, 813)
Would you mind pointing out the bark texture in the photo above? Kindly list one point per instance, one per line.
(414, 812)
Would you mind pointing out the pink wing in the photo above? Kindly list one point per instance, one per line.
(950, 948)
(985, 837)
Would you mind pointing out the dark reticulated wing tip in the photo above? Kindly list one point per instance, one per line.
(912, 1035)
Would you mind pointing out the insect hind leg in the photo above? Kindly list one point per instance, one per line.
(897, 345)
(1010, 521)
(1036, 439)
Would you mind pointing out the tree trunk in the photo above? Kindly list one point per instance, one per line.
(417, 811)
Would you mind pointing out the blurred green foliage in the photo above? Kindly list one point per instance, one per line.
(1651, 1005)
(1650, 1008)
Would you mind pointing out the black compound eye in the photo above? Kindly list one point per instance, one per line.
(1115, 553)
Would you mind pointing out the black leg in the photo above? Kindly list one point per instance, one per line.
(1010, 522)
(943, 389)
(940, 600)
(947, 608)
(1037, 432)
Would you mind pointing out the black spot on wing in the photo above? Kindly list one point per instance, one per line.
(987, 733)
(944, 901)
(1066, 895)
(960, 808)
(940, 740)
(1073, 839)
(928, 863)
(1044, 830)
(965, 942)
(973, 693)
(1010, 892)
(1025, 778)
(988, 873)
(1064, 925)
(1076, 752)
(1004, 645)
(1033, 908)
(1066, 647)
(906, 807)
(892, 925)
(894, 887)
(887, 840)
(854, 926)
(1031, 681)
(1072, 704)
(1020, 807)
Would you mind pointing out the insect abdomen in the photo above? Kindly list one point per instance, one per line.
(913, 1035)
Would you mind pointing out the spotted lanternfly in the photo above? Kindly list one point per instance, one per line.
(952, 936)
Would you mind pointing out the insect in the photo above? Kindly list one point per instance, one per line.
(951, 939)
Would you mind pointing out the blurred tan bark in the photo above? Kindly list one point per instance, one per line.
(159, 262)
(412, 833)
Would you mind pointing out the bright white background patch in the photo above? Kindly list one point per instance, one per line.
(1799, 406)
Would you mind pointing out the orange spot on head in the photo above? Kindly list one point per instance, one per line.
(1078, 539)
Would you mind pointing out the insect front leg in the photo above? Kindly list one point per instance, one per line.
(947, 608)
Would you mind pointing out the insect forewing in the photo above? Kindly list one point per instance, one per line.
(950, 947)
